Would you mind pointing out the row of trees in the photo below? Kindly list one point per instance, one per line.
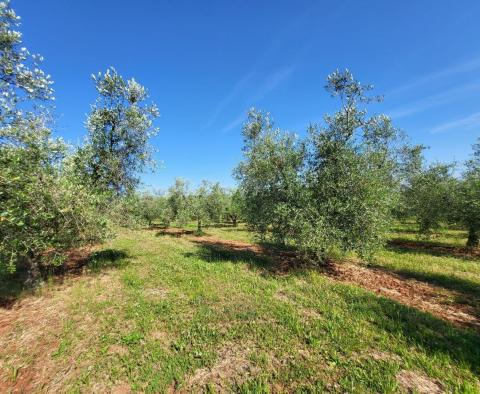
(209, 203)
(52, 196)
(435, 195)
(339, 189)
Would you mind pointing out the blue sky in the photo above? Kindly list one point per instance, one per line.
(206, 62)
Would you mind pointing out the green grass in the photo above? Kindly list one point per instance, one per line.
(179, 315)
(439, 261)
(157, 313)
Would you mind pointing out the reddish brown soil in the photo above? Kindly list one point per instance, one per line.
(417, 294)
(30, 327)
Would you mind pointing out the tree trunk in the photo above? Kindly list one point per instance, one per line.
(473, 240)
(199, 225)
(34, 278)
(234, 220)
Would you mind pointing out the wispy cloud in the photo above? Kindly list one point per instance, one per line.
(467, 122)
(271, 82)
(435, 100)
(229, 97)
(470, 65)
(275, 78)
(233, 124)
(279, 76)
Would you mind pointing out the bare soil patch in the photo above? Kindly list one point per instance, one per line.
(411, 292)
(30, 328)
(31, 331)
(414, 382)
(232, 367)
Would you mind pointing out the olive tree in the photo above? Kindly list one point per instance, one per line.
(154, 207)
(234, 207)
(430, 195)
(352, 163)
(269, 177)
(120, 125)
(334, 192)
(468, 199)
(23, 83)
(44, 209)
(216, 201)
(198, 205)
(177, 198)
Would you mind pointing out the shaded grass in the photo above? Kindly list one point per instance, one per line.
(12, 285)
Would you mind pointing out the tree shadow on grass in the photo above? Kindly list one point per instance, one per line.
(219, 254)
(402, 230)
(237, 229)
(464, 286)
(11, 286)
(107, 258)
(79, 262)
(432, 248)
(221, 225)
(420, 329)
(417, 328)
(271, 259)
(174, 232)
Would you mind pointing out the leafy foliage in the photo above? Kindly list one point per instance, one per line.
(45, 210)
(332, 193)
(468, 199)
(178, 201)
(23, 83)
(151, 207)
(269, 176)
(120, 125)
(430, 195)
(234, 206)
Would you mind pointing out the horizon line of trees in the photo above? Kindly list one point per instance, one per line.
(209, 203)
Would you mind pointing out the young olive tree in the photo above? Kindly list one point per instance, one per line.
(269, 178)
(234, 207)
(351, 180)
(177, 198)
(120, 125)
(430, 195)
(333, 193)
(154, 207)
(468, 199)
(198, 203)
(216, 201)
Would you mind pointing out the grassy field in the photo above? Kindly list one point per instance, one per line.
(155, 312)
